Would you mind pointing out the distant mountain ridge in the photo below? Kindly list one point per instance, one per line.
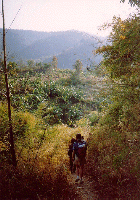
(67, 46)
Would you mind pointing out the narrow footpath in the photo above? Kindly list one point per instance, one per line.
(85, 190)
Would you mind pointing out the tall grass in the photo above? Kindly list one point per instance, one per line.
(43, 162)
(113, 160)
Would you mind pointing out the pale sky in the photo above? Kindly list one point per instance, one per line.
(62, 15)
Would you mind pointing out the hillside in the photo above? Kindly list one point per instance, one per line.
(68, 46)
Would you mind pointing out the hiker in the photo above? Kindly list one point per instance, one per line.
(79, 153)
(72, 165)
(82, 138)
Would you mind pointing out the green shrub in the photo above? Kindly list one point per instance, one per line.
(93, 118)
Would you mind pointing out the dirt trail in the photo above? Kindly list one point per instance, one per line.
(85, 190)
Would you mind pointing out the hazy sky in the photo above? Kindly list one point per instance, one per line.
(61, 15)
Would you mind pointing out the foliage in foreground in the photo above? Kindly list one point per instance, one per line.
(114, 145)
(34, 183)
(43, 164)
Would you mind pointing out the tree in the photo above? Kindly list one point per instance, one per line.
(54, 62)
(47, 66)
(31, 63)
(113, 150)
(121, 58)
(133, 2)
(12, 148)
(78, 66)
(122, 61)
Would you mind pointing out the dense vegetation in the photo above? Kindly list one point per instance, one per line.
(115, 143)
(46, 104)
(51, 105)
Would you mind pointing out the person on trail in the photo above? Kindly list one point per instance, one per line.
(70, 150)
(78, 155)
(82, 138)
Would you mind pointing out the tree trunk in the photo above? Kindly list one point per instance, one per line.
(12, 149)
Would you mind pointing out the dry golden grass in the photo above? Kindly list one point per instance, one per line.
(43, 163)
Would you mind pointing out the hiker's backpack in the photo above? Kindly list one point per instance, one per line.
(81, 153)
